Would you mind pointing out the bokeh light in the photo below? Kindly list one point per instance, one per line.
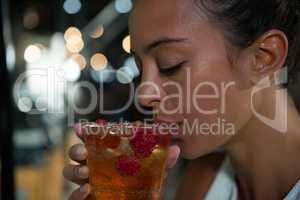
(128, 72)
(99, 61)
(41, 104)
(98, 32)
(32, 53)
(72, 6)
(25, 104)
(132, 66)
(124, 75)
(80, 60)
(126, 44)
(104, 76)
(71, 70)
(74, 41)
(72, 32)
(31, 19)
(10, 57)
(123, 6)
(75, 44)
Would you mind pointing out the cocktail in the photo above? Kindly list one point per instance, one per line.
(126, 162)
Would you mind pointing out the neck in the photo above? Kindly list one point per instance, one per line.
(266, 160)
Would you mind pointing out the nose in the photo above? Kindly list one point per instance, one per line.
(149, 91)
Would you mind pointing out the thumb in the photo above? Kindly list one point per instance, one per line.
(79, 129)
(173, 155)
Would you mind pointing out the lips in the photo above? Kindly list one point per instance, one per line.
(176, 138)
(172, 126)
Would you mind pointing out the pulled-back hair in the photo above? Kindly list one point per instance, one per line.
(244, 21)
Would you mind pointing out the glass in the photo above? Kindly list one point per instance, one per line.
(126, 162)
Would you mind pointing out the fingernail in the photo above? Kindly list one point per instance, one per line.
(83, 172)
(84, 188)
(78, 129)
(177, 150)
(175, 156)
(81, 151)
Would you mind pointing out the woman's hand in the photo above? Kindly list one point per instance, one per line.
(79, 173)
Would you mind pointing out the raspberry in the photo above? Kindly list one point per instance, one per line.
(144, 142)
(101, 122)
(128, 165)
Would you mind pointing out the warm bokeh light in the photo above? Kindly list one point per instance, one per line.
(99, 61)
(31, 19)
(75, 44)
(80, 60)
(72, 32)
(32, 53)
(98, 32)
(126, 44)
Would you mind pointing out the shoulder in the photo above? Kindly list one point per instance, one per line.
(199, 174)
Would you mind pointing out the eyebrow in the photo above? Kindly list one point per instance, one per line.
(163, 41)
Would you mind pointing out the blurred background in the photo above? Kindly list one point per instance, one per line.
(46, 48)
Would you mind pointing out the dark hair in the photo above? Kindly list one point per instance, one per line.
(243, 21)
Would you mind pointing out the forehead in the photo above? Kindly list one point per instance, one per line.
(160, 8)
(151, 19)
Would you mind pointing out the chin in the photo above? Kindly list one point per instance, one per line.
(189, 154)
(188, 157)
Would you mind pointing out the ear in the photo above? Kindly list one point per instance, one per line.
(269, 54)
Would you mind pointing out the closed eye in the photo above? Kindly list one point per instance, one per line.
(171, 70)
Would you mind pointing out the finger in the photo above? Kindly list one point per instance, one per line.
(173, 155)
(78, 153)
(79, 130)
(78, 174)
(81, 193)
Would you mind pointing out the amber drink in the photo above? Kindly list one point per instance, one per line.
(126, 162)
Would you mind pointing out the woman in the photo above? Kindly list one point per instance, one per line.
(236, 49)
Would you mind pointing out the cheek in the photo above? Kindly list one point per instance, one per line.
(211, 132)
(208, 89)
(172, 101)
(216, 106)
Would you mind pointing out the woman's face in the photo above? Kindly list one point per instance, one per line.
(187, 76)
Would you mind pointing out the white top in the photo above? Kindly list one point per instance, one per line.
(224, 186)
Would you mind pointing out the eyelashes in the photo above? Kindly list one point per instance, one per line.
(166, 70)
(171, 70)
